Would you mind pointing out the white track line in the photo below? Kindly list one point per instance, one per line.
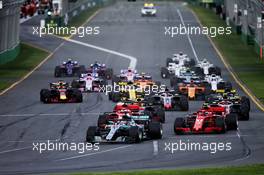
(95, 153)
(155, 147)
(17, 149)
(188, 36)
(55, 114)
(133, 60)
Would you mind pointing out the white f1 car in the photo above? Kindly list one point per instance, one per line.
(89, 82)
(217, 83)
(173, 69)
(126, 75)
(181, 59)
(204, 67)
(148, 10)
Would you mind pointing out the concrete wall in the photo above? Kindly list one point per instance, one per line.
(9, 30)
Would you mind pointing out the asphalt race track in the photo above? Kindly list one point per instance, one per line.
(24, 119)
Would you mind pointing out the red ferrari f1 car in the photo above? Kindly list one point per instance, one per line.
(212, 119)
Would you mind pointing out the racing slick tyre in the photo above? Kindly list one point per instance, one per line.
(45, 96)
(220, 85)
(228, 86)
(184, 103)
(116, 97)
(161, 114)
(179, 123)
(78, 95)
(215, 70)
(90, 134)
(80, 70)
(102, 120)
(220, 122)
(135, 134)
(57, 72)
(155, 130)
(218, 71)
(75, 94)
(231, 121)
(168, 60)
(164, 72)
(208, 90)
(190, 63)
(198, 71)
(75, 84)
(246, 100)
(244, 108)
(109, 73)
(115, 79)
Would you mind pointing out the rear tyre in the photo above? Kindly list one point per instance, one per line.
(231, 121)
(102, 120)
(244, 108)
(90, 134)
(109, 73)
(57, 72)
(161, 113)
(75, 84)
(45, 96)
(164, 72)
(135, 134)
(80, 70)
(220, 122)
(116, 97)
(168, 60)
(155, 130)
(179, 123)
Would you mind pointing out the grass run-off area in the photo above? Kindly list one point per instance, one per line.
(28, 58)
(240, 170)
(242, 57)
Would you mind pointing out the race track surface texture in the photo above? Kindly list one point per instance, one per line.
(24, 119)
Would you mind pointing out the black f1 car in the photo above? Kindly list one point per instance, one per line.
(90, 83)
(170, 101)
(232, 101)
(69, 68)
(130, 129)
(60, 92)
(101, 70)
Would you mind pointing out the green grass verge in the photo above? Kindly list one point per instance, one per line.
(28, 58)
(242, 57)
(239, 170)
